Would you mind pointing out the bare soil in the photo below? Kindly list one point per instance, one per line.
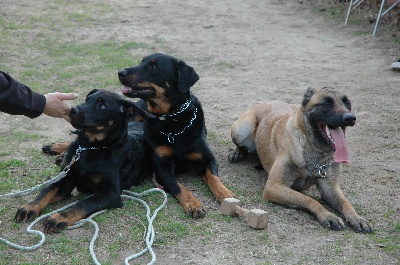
(251, 51)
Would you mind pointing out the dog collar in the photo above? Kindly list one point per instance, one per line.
(171, 136)
(321, 168)
(181, 109)
(80, 149)
(77, 155)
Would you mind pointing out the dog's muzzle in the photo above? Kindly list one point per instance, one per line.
(349, 119)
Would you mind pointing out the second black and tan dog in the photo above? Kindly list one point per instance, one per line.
(178, 134)
(299, 146)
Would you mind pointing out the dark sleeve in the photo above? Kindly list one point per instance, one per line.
(19, 99)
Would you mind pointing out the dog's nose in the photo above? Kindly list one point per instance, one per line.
(122, 73)
(73, 111)
(349, 118)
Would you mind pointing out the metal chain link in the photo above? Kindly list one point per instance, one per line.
(171, 136)
(321, 168)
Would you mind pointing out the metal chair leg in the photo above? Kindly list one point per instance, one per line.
(380, 14)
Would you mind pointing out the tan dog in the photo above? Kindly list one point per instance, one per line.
(300, 146)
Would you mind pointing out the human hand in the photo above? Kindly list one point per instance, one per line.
(55, 106)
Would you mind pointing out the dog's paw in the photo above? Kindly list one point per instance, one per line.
(55, 148)
(332, 222)
(48, 149)
(55, 223)
(236, 156)
(198, 212)
(59, 159)
(26, 213)
(224, 193)
(361, 225)
(194, 209)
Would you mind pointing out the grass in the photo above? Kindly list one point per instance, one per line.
(99, 62)
(51, 62)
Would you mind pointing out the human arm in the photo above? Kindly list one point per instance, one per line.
(19, 99)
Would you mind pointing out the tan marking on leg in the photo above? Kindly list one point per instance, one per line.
(58, 221)
(190, 204)
(71, 217)
(56, 148)
(49, 198)
(34, 207)
(217, 188)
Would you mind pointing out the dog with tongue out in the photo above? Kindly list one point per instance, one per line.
(300, 146)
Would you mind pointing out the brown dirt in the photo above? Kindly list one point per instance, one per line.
(251, 51)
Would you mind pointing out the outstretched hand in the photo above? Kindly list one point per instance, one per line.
(55, 105)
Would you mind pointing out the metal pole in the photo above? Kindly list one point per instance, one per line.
(378, 18)
(348, 12)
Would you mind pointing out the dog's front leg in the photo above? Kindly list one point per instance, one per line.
(206, 165)
(165, 170)
(215, 184)
(276, 190)
(54, 193)
(83, 208)
(332, 194)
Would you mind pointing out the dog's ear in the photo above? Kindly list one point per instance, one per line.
(187, 77)
(132, 109)
(307, 96)
(92, 92)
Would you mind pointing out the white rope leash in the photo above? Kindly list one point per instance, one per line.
(61, 175)
(150, 229)
(31, 231)
(150, 234)
(128, 194)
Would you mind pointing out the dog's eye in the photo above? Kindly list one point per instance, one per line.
(153, 66)
(347, 102)
(328, 102)
(101, 106)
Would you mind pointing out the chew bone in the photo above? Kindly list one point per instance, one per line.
(256, 218)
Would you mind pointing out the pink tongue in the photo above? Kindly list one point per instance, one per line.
(341, 155)
(125, 89)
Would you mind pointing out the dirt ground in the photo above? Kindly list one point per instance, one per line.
(251, 51)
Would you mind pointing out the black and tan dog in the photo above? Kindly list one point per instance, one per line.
(300, 146)
(178, 134)
(110, 160)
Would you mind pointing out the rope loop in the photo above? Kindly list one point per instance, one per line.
(150, 234)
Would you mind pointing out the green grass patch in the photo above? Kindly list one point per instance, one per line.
(391, 241)
(10, 164)
(76, 66)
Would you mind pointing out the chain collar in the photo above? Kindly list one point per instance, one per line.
(171, 136)
(181, 109)
(321, 168)
(77, 155)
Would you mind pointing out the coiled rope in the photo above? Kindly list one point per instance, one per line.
(150, 234)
